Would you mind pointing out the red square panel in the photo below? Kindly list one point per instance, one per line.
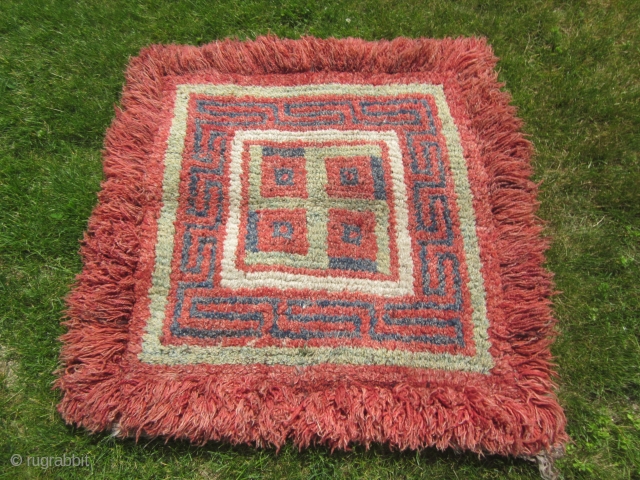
(283, 177)
(352, 234)
(282, 230)
(349, 177)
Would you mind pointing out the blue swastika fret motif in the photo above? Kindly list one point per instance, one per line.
(214, 123)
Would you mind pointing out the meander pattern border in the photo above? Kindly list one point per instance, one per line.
(154, 352)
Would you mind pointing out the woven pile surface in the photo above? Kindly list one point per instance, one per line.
(317, 241)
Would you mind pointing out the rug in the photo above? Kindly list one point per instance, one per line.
(317, 241)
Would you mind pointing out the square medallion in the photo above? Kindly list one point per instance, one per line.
(318, 163)
(337, 218)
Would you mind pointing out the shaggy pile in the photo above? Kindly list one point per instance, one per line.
(316, 241)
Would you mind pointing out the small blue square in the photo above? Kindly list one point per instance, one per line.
(351, 234)
(284, 176)
(283, 230)
(349, 176)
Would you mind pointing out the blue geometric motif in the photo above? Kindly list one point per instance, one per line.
(349, 176)
(209, 148)
(426, 149)
(283, 230)
(351, 234)
(283, 152)
(186, 247)
(306, 333)
(194, 187)
(379, 188)
(233, 316)
(284, 176)
(252, 232)
(419, 321)
(433, 226)
(353, 264)
(208, 155)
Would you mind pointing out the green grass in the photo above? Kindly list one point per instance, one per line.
(572, 68)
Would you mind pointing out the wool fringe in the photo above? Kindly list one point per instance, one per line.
(99, 392)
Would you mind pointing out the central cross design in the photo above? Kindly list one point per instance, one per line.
(333, 200)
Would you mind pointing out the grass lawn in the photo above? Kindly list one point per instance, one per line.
(573, 70)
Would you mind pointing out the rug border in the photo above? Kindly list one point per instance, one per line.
(92, 377)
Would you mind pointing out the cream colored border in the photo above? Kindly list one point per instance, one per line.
(231, 277)
(154, 352)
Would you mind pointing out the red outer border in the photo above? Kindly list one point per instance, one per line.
(511, 411)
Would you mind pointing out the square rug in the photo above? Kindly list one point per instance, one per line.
(317, 241)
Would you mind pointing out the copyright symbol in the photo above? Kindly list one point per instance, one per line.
(16, 460)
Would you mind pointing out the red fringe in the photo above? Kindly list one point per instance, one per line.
(512, 411)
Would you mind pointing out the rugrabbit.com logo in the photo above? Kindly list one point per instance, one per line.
(45, 462)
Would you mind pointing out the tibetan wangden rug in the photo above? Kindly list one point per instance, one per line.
(318, 241)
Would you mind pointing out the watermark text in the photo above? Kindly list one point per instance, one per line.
(50, 461)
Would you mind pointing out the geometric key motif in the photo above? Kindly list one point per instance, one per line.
(329, 220)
